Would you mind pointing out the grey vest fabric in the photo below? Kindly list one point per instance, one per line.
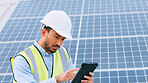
(64, 61)
(31, 57)
(64, 58)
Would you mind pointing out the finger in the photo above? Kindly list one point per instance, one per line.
(70, 74)
(86, 81)
(67, 78)
(76, 69)
(89, 78)
(92, 74)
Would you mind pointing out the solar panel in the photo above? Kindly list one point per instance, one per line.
(114, 6)
(112, 33)
(42, 7)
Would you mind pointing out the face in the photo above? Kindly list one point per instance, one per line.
(53, 41)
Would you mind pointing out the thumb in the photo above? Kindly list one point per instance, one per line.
(74, 73)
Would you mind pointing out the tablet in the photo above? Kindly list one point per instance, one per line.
(84, 70)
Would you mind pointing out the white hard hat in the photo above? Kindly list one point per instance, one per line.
(58, 21)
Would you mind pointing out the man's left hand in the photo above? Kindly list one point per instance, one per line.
(90, 78)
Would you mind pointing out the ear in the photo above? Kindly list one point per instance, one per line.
(44, 32)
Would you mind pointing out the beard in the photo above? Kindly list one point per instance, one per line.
(49, 48)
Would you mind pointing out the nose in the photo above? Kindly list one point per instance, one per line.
(59, 42)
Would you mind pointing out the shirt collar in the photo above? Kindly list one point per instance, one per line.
(42, 51)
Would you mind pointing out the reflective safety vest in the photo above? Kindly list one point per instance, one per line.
(37, 64)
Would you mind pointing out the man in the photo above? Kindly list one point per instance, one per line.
(46, 61)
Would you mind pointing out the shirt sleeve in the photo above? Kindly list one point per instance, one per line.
(22, 72)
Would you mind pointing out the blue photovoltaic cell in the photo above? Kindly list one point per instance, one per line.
(112, 33)
(114, 53)
(21, 29)
(114, 25)
(35, 8)
(114, 6)
(130, 76)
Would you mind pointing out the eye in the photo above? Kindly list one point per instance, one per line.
(56, 36)
(63, 39)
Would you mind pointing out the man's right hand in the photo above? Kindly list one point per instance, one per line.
(68, 75)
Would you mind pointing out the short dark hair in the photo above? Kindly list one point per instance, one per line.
(47, 27)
